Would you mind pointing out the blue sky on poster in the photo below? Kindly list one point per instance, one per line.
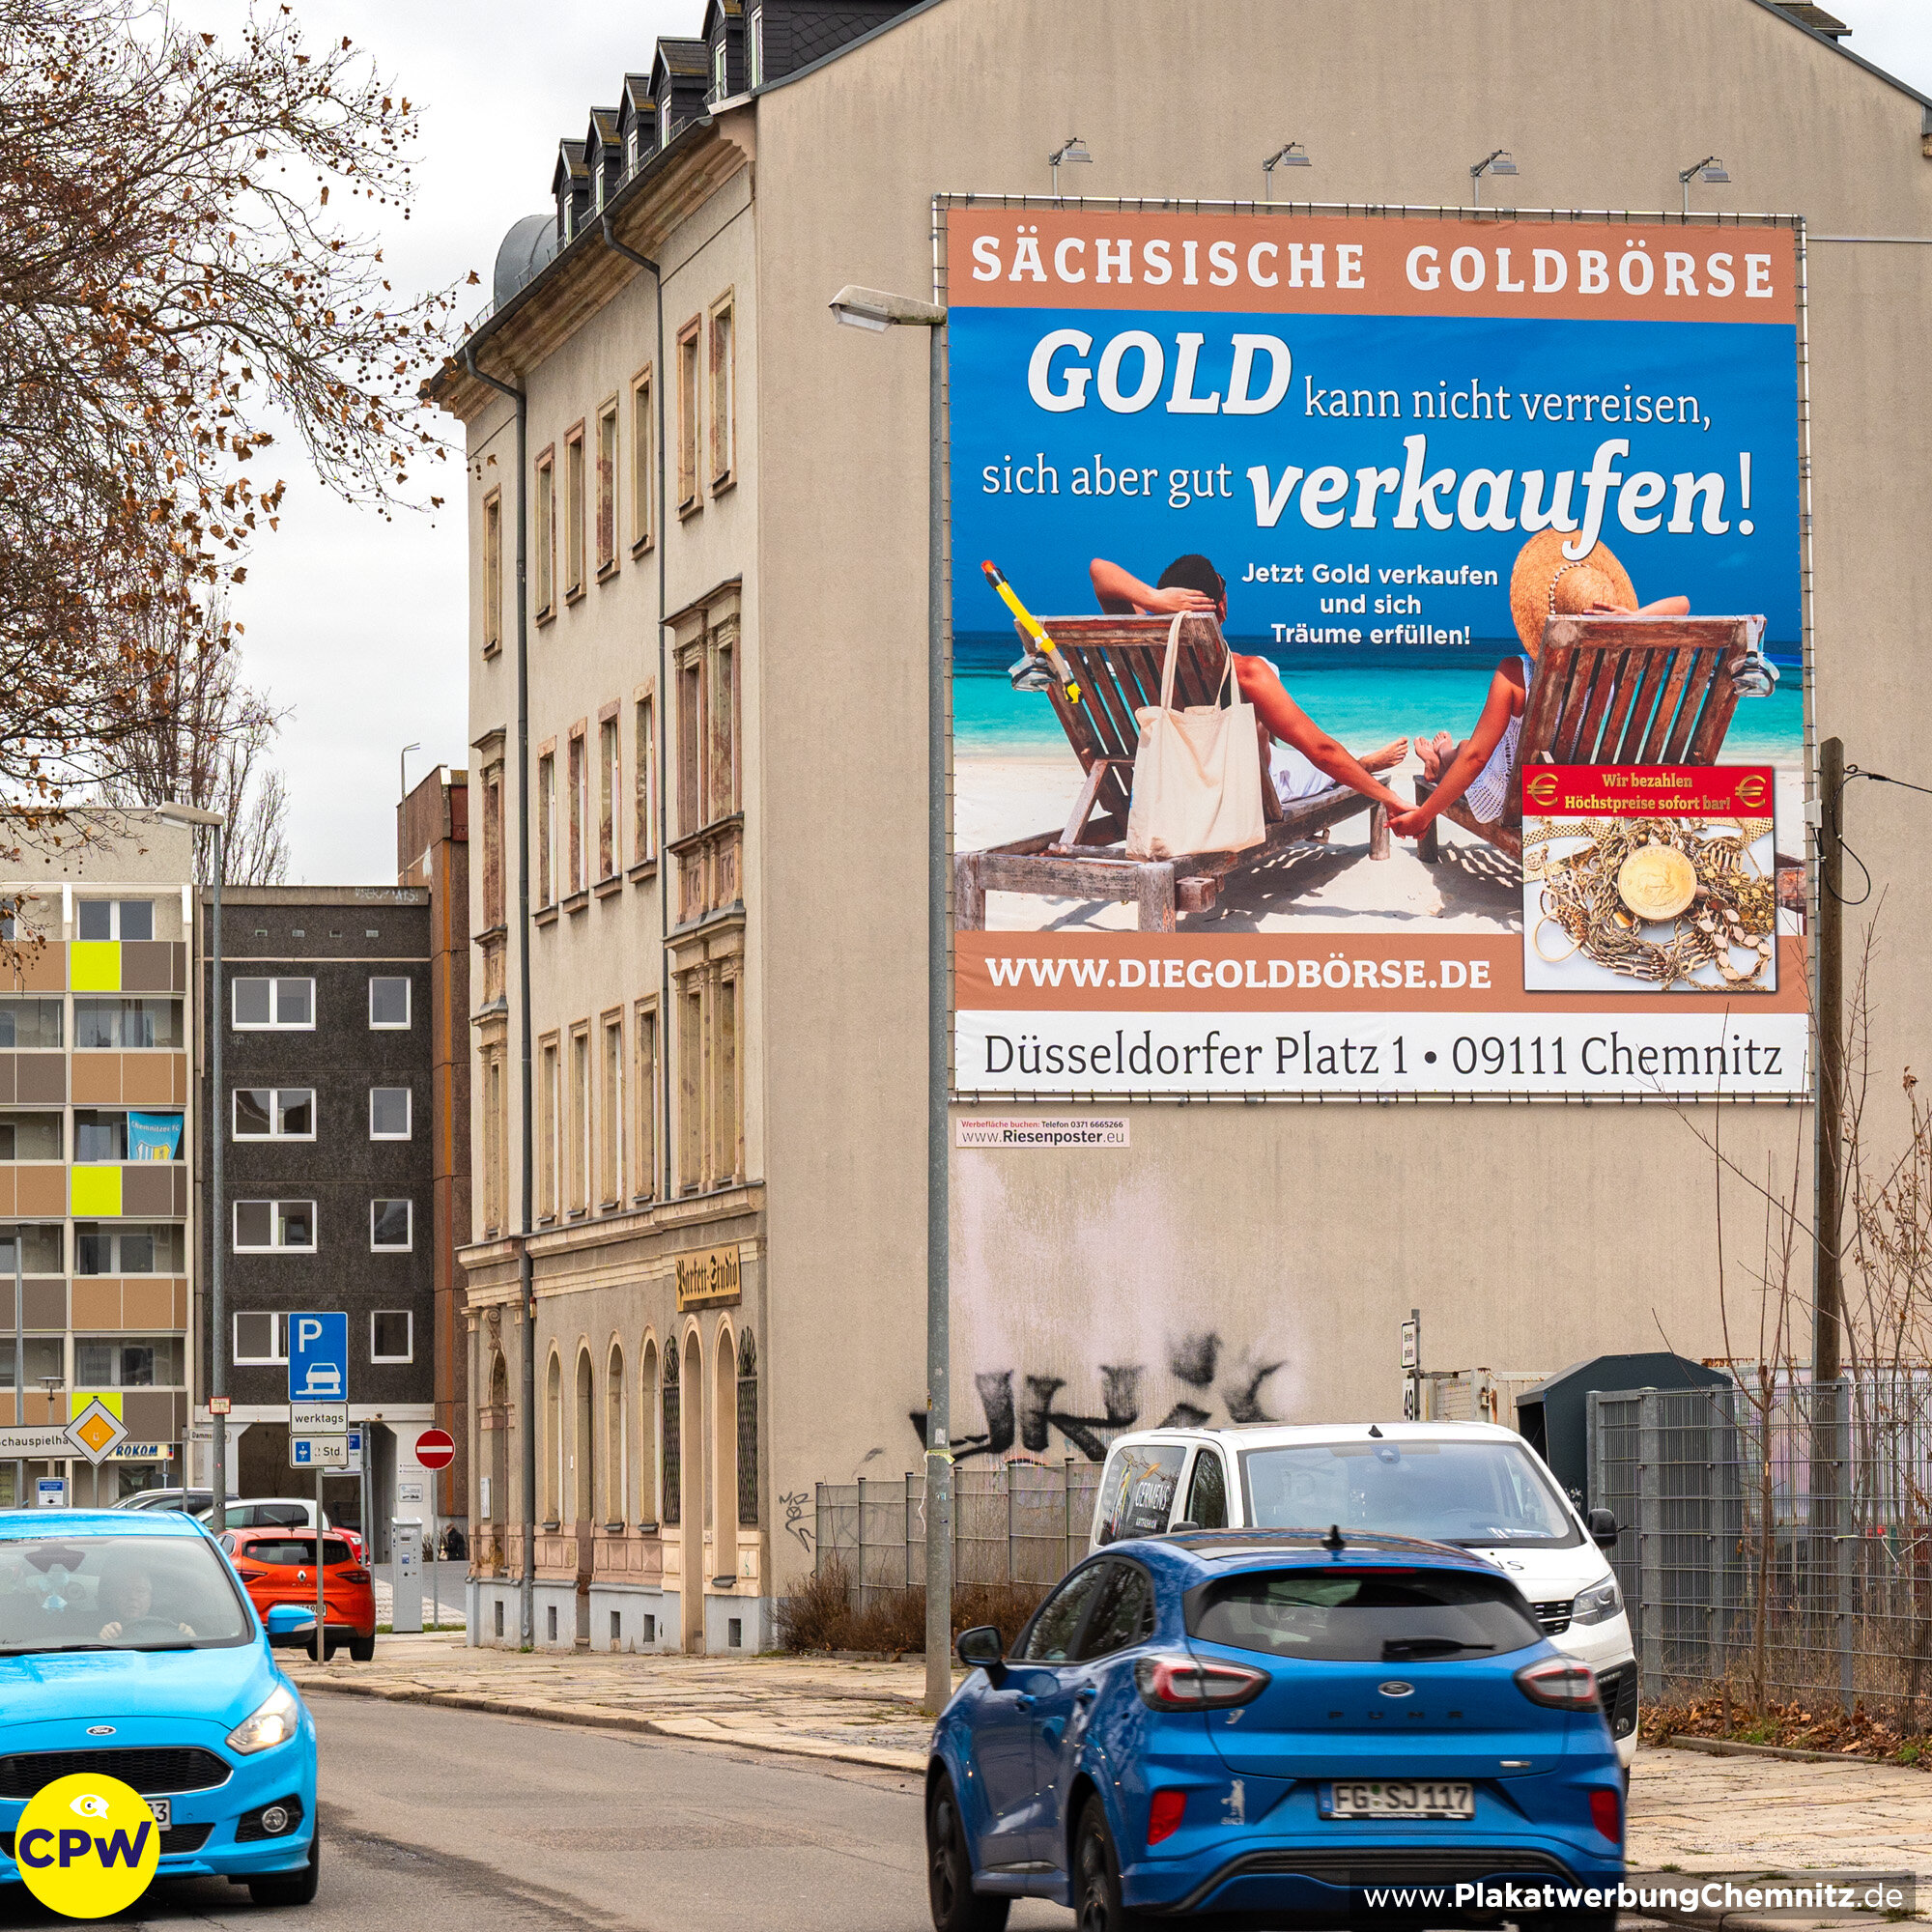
(1129, 486)
(359, 624)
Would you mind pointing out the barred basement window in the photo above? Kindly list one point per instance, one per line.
(748, 1432)
(669, 1462)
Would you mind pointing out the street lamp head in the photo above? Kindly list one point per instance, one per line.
(1710, 169)
(1072, 153)
(1292, 156)
(188, 814)
(878, 310)
(1500, 162)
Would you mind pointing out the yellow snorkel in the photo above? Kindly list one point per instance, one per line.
(1035, 630)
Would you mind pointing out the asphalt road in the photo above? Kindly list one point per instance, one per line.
(499, 1824)
(431, 1816)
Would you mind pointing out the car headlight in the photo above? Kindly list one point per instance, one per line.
(273, 1723)
(1599, 1604)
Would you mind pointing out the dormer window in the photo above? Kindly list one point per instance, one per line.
(597, 183)
(756, 49)
(718, 70)
(636, 145)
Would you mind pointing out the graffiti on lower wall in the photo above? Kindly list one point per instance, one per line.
(1223, 1384)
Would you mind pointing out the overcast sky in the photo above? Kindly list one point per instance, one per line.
(359, 624)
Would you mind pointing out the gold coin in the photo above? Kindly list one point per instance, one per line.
(1657, 882)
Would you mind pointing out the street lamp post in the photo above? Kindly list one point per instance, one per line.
(217, 1362)
(877, 310)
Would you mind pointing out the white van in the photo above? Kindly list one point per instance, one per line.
(1472, 1484)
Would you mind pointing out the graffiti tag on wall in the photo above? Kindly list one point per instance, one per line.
(1030, 1417)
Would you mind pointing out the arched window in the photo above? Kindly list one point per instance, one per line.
(648, 1505)
(553, 1445)
(748, 1432)
(670, 1436)
(724, 1457)
(497, 1422)
(584, 1490)
(616, 1451)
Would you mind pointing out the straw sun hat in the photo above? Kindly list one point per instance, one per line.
(1544, 583)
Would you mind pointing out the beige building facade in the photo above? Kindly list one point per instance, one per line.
(726, 510)
(99, 1192)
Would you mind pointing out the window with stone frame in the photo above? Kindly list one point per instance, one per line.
(643, 459)
(724, 410)
(492, 573)
(610, 860)
(690, 353)
(645, 1165)
(606, 488)
(573, 513)
(543, 537)
(577, 816)
(644, 777)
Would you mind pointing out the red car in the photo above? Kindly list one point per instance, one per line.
(277, 1566)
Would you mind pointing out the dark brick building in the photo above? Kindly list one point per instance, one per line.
(326, 1009)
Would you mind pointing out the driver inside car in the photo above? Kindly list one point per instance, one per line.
(128, 1596)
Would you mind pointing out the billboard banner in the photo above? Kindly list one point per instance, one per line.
(1466, 553)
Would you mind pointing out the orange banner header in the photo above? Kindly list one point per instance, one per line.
(1649, 791)
(1302, 261)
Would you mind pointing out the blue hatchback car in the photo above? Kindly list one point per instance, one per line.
(127, 1647)
(1263, 1725)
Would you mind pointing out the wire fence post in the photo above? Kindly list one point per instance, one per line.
(1650, 1550)
(861, 1578)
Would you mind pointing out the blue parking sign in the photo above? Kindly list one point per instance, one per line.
(318, 1358)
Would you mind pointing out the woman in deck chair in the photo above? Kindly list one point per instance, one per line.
(1299, 757)
(1544, 584)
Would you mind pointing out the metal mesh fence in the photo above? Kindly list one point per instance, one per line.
(1020, 1523)
(1779, 1539)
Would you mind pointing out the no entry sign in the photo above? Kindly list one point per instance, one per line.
(436, 1449)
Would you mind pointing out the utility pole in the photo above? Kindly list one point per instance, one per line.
(1827, 1291)
(1829, 1411)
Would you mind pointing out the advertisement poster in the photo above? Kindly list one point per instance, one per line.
(1474, 547)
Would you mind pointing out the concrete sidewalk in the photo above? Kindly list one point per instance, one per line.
(1689, 1811)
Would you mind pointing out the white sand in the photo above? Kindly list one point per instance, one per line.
(1314, 886)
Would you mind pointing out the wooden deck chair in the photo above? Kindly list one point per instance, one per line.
(1117, 661)
(1618, 691)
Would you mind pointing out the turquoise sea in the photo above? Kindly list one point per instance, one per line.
(1363, 705)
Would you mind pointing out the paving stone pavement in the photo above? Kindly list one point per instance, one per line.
(1688, 1812)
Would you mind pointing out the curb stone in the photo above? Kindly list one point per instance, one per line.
(596, 1716)
(1736, 1748)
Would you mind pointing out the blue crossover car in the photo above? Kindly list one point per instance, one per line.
(127, 1647)
(1272, 1726)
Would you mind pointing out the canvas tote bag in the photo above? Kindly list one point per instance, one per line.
(1197, 773)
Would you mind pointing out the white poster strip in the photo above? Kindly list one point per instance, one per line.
(1735, 1052)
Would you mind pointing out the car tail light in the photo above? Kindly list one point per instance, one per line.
(1559, 1683)
(351, 1576)
(1607, 1815)
(1164, 1815)
(1187, 1683)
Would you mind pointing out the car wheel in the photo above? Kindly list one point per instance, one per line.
(292, 1888)
(1096, 1877)
(948, 1870)
(361, 1648)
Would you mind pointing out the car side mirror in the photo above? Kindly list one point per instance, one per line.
(1182, 1527)
(1604, 1530)
(287, 1621)
(983, 1648)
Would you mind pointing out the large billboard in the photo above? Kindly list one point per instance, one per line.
(1377, 654)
